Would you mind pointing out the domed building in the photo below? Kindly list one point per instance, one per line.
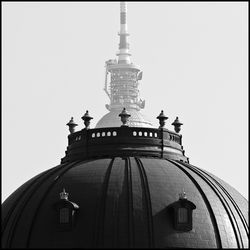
(125, 184)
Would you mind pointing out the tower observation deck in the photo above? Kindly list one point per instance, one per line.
(121, 83)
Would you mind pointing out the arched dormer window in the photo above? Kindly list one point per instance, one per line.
(183, 211)
(65, 212)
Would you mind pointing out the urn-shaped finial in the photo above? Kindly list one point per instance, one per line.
(124, 117)
(86, 118)
(161, 117)
(177, 125)
(71, 125)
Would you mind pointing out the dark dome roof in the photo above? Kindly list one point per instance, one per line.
(124, 202)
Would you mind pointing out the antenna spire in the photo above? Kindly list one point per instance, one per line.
(124, 75)
(123, 54)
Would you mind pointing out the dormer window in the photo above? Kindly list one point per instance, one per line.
(183, 210)
(65, 211)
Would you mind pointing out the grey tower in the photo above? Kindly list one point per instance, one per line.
(123, 77)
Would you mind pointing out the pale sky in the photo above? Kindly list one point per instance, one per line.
(194, 58)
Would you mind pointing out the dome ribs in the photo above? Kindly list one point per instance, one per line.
(139, 206)
(223, 201)
(226, 200)
(226, 205)
(116, 217)
(209, 206)
(17, 203)
(22, 204)
(124, 202)
(238, 210)
(99, 229)
(84, 182)
(58, 174)
(148, 201)
(26, 186)
(130, 201)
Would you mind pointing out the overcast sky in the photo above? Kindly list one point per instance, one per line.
(194, 58)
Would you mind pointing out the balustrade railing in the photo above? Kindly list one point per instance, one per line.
(133, 132)
(124, 141)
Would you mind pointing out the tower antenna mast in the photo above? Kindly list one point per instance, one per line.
(122, 75)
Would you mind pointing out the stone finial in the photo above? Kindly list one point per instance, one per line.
(71, 125)
(161, 117)
(64, 195)
(124, 117)
(177, 125)
(182, 195)
(86, 118)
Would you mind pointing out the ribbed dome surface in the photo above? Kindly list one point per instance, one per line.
(123, 202)
(112, 119)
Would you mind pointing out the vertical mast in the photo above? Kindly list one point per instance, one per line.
(123, 54)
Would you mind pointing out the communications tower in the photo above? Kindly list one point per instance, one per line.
(121, 83)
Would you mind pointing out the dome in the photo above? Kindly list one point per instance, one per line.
(126, 185)
(125, 197)
(111, 119)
